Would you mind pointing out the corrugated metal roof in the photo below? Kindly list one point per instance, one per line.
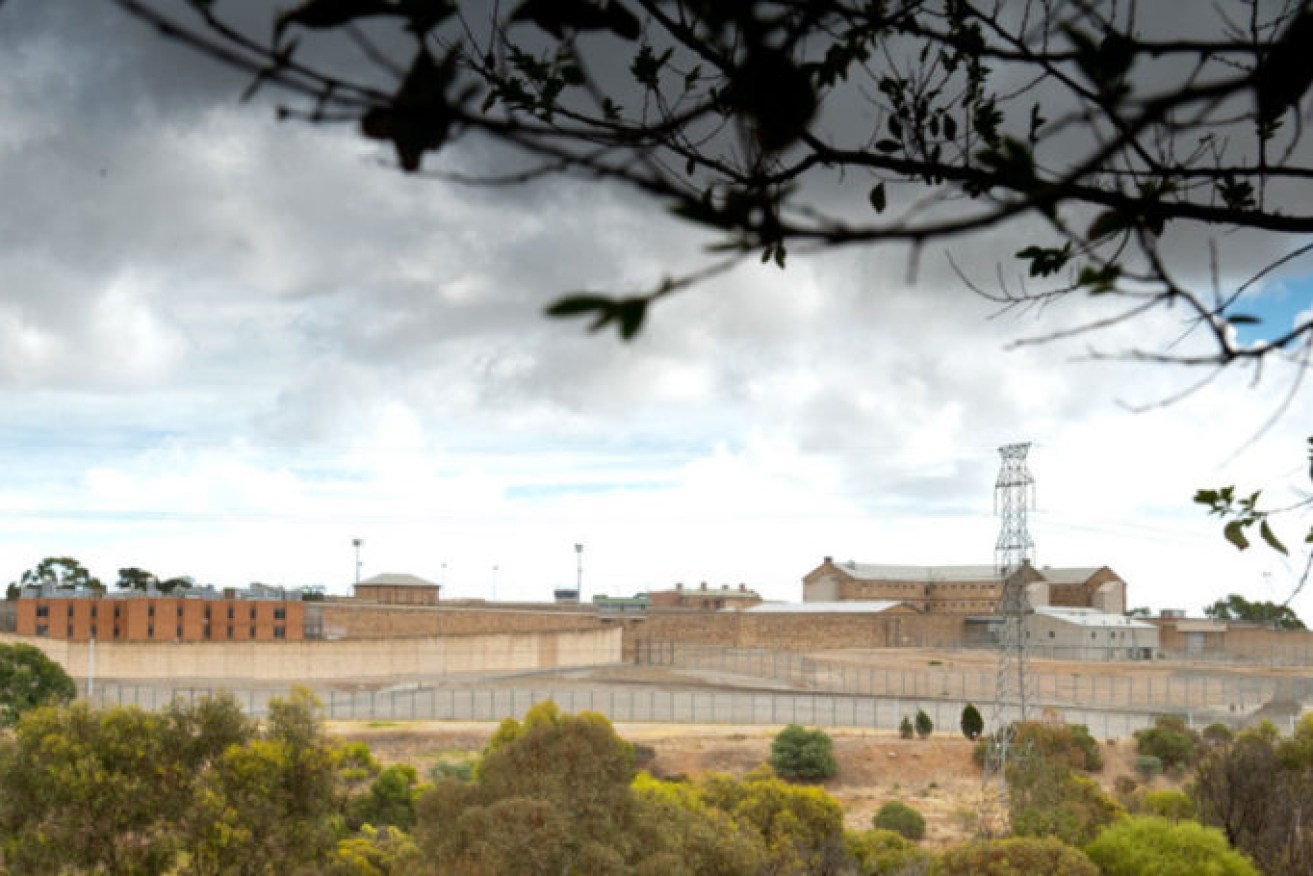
(394, 580)
(1092, 617)
(873, 606)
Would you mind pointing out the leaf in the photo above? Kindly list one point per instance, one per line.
(1284, 73)
(1106, 223)
(1242, 319)
(780, 254)
(575, 305)
(877, 198)
(1235, 533)
(321, 14)
(888, 145)
(1271, 539)
(631, 312)
(561, 17)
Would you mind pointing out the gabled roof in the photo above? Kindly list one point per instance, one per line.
(394, 580)
(867, 606)
(1069, 576)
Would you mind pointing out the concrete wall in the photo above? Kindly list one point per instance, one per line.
(359, 659)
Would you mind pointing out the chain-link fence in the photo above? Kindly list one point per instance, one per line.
(1132, 687)
(425, 702)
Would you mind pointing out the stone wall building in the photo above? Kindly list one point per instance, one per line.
(963, 590)
(393, 589)
(704, 598)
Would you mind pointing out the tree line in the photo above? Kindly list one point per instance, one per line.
(201, 788)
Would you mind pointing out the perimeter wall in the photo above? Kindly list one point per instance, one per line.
(310, 661)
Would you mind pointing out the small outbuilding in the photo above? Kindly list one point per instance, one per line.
(1073, 633)
(392, 589)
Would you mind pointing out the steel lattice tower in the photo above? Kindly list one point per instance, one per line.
(1014, 494)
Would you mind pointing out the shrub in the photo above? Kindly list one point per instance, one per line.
(972, 724)
(924, 726)
(1013, 857)
(1068, 744)
(460, 770)
(1170, 804)
(1047, 799)
(1218, 734)
(885, 853)
(1155, 845)
(1148, 767)
(798, 753)
(905, 729)
(901, 819)
(1169, 740)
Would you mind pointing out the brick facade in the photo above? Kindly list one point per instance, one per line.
(160, 619)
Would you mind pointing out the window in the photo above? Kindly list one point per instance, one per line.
(280, 633)
(230, 630)
(1092, 635)
(70, 609)
(150, 631)
(93, 631)
(179, 631)
(70, 631)
(42, 630)
(117, 610)
(1052, 635)
(253, 632)
(150, 610)
(252, 612)
(207, 612)
(280, 614)
(179, 609)
(93, 610)
(230, 612)
(43, 611)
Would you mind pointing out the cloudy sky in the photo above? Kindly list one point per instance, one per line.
(231, 346)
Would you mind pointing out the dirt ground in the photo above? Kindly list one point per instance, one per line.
(936, 776)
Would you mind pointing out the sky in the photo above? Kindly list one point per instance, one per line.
(232, 346)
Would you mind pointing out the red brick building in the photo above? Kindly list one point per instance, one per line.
(159, 618)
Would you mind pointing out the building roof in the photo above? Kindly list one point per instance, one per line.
(928, 574)
(1091, 617)
(394, 580)
(1068, 576)
(869, 606)
(936, 574)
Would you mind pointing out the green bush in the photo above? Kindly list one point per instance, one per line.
(972, 724)
(901, 819)
(1148, 767)
(460, 770)
(1068, 744)
(1170, 804)
(905, 728)
(1218, 734)
(886, 853)
(1016, 856)
(1148, 844)
(798, 753)
(924, 726)
(1169, 740)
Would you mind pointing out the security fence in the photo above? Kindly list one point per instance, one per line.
(432, 702)
(1130, 687)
